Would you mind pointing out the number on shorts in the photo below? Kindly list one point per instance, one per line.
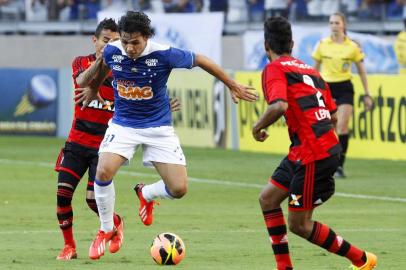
(109, 138)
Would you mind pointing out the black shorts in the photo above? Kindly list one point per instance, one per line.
(77, 159)
(342, 92)
(308, 185)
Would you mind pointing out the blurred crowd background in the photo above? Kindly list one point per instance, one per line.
(248, 12)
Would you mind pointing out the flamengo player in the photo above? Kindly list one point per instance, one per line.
(142, 118)
(80, 153)
(296, 91)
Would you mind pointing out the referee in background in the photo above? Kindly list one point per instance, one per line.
(334, 56)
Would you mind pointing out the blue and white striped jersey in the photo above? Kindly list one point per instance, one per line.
(141, 96)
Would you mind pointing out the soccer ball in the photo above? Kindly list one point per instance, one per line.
(167, 249)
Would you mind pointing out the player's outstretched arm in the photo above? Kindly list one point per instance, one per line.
(89, 93)
(237, 91)
(85, 78)
(175, 104)
(271, 115)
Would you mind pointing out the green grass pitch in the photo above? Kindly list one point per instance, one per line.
(219, 219)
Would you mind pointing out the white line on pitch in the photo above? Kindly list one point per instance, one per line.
(216, 181)
(251, 185)
(365, 230)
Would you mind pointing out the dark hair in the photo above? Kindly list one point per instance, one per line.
(136, 22)
(106, 24)
(278, 35)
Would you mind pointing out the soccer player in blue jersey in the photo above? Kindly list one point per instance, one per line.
(142, 118)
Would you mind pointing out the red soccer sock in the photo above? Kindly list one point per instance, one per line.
(276, 225)
(116, 219)
(66, 225)
(66, 187)
(326, 238)
(68, 237)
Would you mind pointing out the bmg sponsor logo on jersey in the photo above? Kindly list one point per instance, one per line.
(129, 91)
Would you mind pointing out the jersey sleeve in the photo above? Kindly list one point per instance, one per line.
(180, 58)
(316, 54)
(358, 53)
(78, 67)
(275, 84)
(107, 54)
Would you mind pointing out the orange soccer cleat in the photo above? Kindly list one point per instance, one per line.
(67, 253)
(118, 237)
(369, 265)
(98, 245)
(146, 208)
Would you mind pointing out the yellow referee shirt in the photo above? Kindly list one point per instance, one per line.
(400, 51)
(336, 58)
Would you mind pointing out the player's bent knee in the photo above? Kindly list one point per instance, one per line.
(297, 229)
(300, 227)
(104, 173)
(179, 190)
(66, 187)
(267, 201)
(263, 201)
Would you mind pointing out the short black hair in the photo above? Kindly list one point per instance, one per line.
(136, 22)
(278, 35)
(106, 24)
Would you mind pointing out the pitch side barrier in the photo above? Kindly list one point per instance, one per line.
(38, 101)
(194, 122)
(28, 104)
(205, 119)
(377, 134)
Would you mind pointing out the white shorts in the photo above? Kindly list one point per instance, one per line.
(159, 144)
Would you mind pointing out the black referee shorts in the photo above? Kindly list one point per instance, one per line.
(342, 92)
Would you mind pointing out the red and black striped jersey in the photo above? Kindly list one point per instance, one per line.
(310, 106)
(90, 124)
